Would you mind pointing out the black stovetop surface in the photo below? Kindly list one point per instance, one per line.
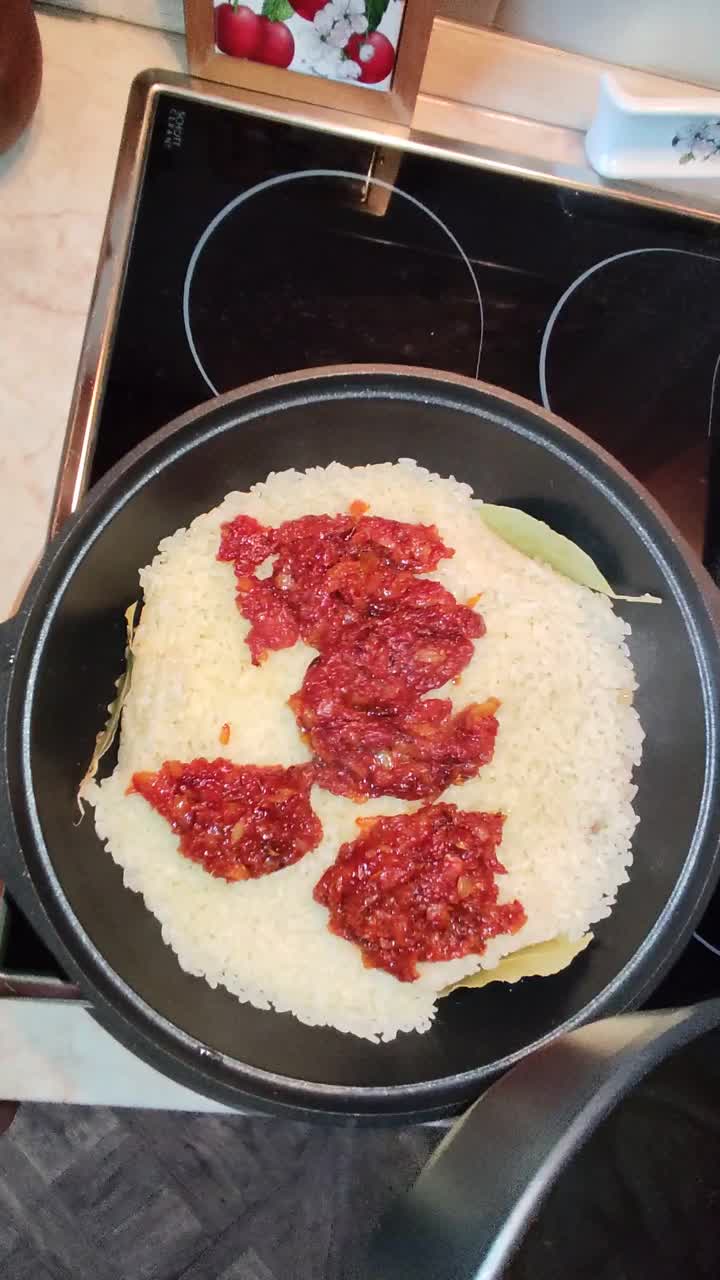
(255, 252)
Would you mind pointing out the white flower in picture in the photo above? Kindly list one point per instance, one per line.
(323, 21)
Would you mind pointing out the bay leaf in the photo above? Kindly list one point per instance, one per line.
(538, 961)
(107, 734)
(277, 10)
(537, 540)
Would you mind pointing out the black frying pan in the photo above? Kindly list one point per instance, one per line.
(62, 652)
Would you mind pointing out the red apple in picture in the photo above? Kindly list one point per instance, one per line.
(374, 55)
(276, 46)
(237, 30)
(308, 8)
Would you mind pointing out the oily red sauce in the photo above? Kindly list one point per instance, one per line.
(329, 571)
(369, 729)
(238, 821)
(419, 887)
(349, 586)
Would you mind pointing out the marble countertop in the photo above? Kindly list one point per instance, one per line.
(54, 190)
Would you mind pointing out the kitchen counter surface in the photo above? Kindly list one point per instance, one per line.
(54, 189)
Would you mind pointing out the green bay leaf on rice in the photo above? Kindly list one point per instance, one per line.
(538, 961)
(537, 540)
(108, 733)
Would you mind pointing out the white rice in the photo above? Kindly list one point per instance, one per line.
(554, 653)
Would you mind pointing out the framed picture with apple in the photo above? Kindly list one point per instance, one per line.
(361, 56)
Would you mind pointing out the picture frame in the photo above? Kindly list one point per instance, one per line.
(392, 101)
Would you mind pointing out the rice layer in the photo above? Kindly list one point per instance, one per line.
(554, 654)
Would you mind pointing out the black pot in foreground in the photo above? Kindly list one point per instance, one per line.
(60, 656)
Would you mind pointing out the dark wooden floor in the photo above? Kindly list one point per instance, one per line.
(100, 1194)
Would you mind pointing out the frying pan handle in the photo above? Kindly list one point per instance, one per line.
(474, 1201)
